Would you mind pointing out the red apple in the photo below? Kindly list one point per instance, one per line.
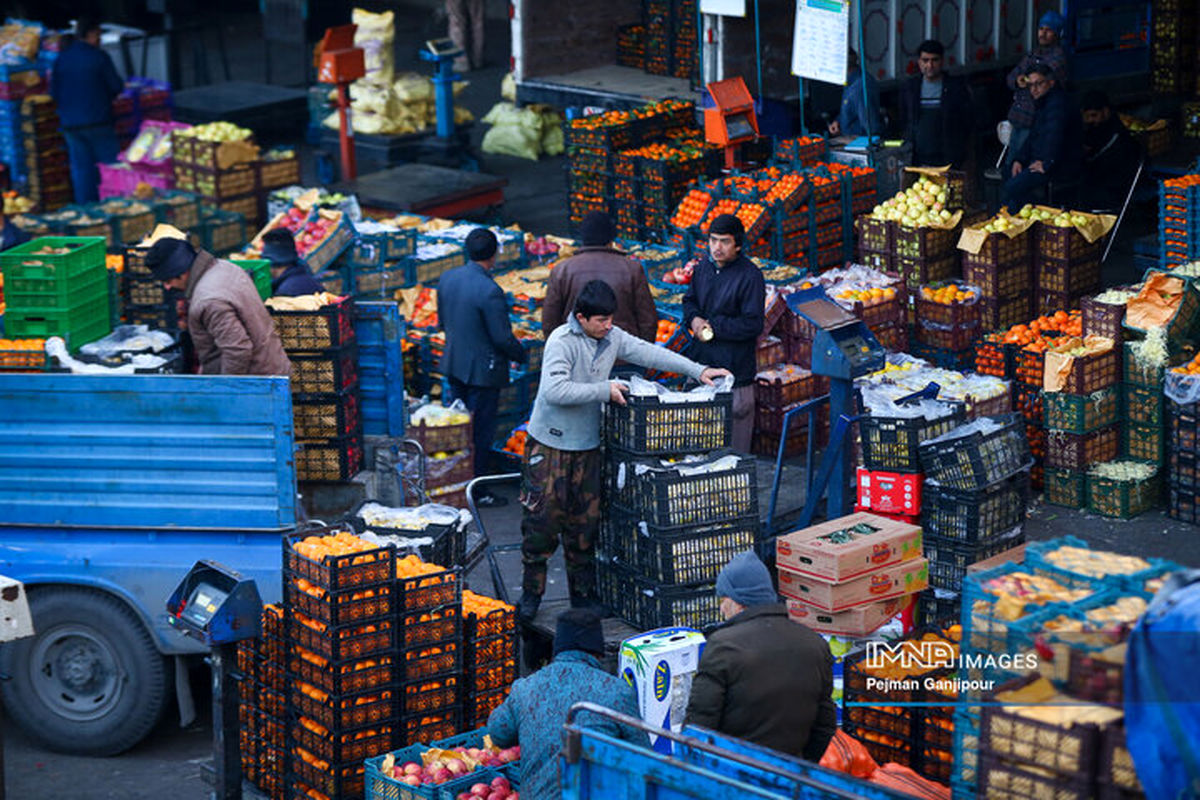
(412, 768)
(501, 784)
(411, 780)
(498, 796)
(481, 790)
(442, 775)
(457, 766)
(510, 754)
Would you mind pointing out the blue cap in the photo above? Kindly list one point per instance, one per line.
(1052, 20)
(746, 581)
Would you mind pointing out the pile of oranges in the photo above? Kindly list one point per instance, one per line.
(480, 605)
(22, 353)
(1190, 368)
(516, 442)
(666, 329)
(783, 188)
(949, 294)
(869, 297)
(749, 213)
(691, 209)
(342, 543)
(1031, 336)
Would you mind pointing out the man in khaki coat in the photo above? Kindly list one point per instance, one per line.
(599, 260)
(231, 329)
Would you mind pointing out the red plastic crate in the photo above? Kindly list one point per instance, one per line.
(889, 492)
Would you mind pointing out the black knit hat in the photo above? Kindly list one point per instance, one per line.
(481, 244)
(597, 229)
(169, 258)
(579, 629)
(729, 225)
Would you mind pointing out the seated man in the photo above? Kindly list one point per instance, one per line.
(1110, 154)
(1052, 150)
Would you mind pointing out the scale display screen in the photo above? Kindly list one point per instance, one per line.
(442, 47)
(203, 604)
(738, 127)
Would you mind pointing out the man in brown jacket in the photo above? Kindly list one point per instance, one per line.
(599, 260)
(231, 329)
(763, 677)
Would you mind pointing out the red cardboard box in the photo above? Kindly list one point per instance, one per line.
(860, 621)
(845, 548)
(890, 492)
(904, 577)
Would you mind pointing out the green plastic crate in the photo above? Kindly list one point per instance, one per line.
(23, 262)
(1080, 413)
(1132, 371)
(1144, 442)
(1122, 499)
(1065, 487)
(260, 270)
(76, 326)
(1143, 404)
(56, 295)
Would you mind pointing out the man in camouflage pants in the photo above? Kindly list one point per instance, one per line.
(561, 479)
(466, 19)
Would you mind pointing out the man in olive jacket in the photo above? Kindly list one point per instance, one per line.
(763, 677)
(599, 260)
(230, 327)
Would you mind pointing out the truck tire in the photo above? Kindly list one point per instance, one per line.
(89, 681)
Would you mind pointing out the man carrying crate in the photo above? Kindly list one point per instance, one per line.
(560, 480)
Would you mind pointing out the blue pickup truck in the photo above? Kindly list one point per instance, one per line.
(111, 487)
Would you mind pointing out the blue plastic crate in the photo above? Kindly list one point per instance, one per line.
(378, 786)
(1035, 557)
(381, 368)
(964, 776)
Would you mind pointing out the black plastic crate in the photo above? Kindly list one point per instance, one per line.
(1184, 425)
(491, 675)
(432, 590)
(884, 747)
(338, 643)
(330, 372)
(354, 676)
(370, 566)
(664, 497)
(949, 558)
(647, 426)
(430, 727)
(326, 416)
(1183, 503)
(499, 622)
(479, 706)
(427, 660)
(374, 707)
(1000, 778)
(939, 607)
(431, 695)
(430, 626)
(1079, 451)
(337, 459)
(1183, 467)
(161, 316)
(333, 780)
(447, 549)
(479, 655)
(360, 605)
(326, 328)
(647, 605)
(693, 554)
(972, 516)
(342, 746)
(976, 459)
(892, 443)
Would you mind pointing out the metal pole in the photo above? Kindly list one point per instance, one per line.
(227, 755)
(346, 134)
(758, 51)
(803, 126)
(1112, 237)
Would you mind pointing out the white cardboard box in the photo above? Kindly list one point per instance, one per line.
(660, 665)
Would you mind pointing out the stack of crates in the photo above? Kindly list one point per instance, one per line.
(489, 656)
(343, 660)
(377, 328)
(12, 145)
(778, 389)
(377, 264)
(668, 529)
(49, 172)
(57, 286)
(199, 168)
(631, 50)
(1183, 460)
(1066, 267)
(948, 321)
(975, 497)
(1178, 221)
(262, 706)
(144, 299)
(1002, 269)
(325, 399)
(1173, 67)
(449, 465)
(1083, 425)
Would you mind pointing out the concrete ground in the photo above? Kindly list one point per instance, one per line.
(167, 763)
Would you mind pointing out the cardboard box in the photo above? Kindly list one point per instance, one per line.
(659, 665)
(889, 493)
(873, 542)
(859, 621)
(905, 577)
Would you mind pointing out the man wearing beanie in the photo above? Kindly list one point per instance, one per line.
(536, 708)
(597, 259)
(479, 344)
(289, 275)
(723, 310)
(763, 677)
(1048, 52)
(231, 330)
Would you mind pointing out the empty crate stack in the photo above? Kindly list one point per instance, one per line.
(57, 286)
(262, 707)
(325, 401)
(997, 258)
(671, 522)
(1081, 402)
(973, 501)
(377, 328)
(45, 154)
(1066, 262)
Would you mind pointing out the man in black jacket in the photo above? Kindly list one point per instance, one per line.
(1052, 150)
(479, 343)
(723, 309)
(1110, 154)
(290, 276)
(763, 677)
(936, 109)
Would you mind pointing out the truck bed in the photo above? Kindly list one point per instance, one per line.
(605, 85)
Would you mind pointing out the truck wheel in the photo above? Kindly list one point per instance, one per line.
(90, 681)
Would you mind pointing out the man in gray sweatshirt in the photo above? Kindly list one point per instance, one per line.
(560, 481)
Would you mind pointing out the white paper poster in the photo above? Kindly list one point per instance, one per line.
(820, 41)
(726, 8)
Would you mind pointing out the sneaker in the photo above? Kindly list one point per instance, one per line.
(491, 501)
(527, 606)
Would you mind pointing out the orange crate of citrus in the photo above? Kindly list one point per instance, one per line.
(22, 355)
(691, 209)
(337, 560)
(949, 304)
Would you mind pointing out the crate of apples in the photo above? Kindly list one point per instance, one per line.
(499, 789)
